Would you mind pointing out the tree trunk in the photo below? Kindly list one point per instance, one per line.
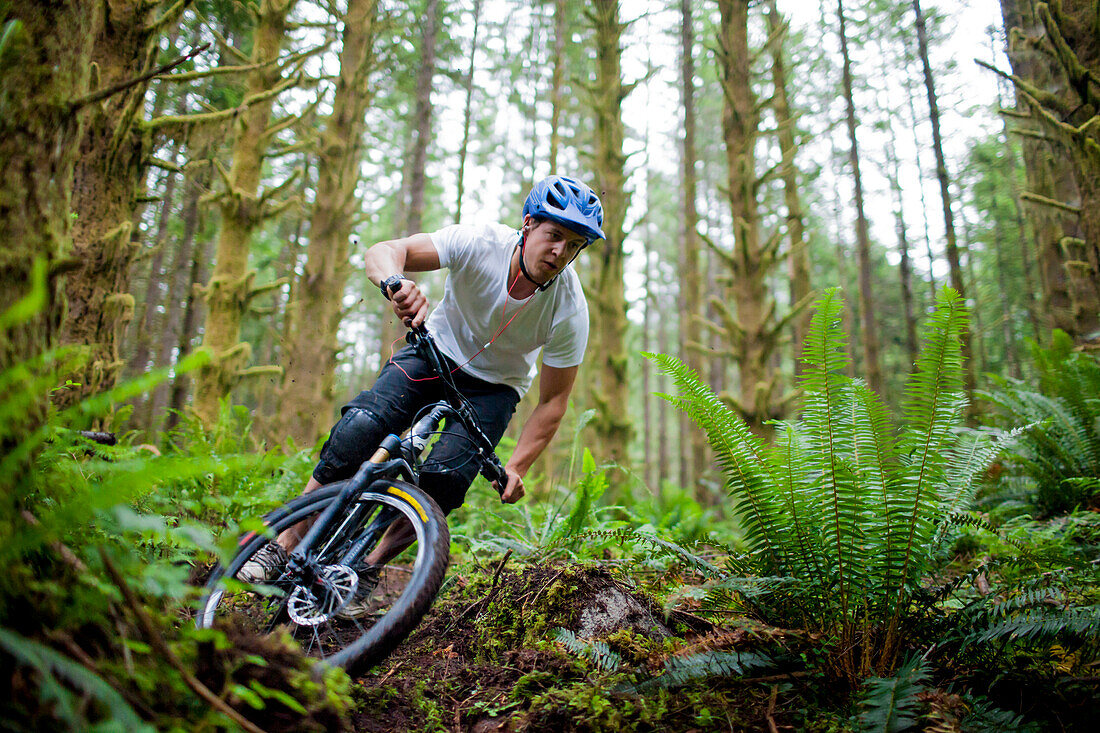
(951, 242)
(798, 258)
(306, 393)
(106, 180)
(561, 35)
(422, 118)
(467, 113)
(607, 362)
(193, 314)
(44, 67)
(693, 441)
(905, 267)
(230, 289)
(871, 363)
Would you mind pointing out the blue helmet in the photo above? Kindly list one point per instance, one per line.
(568, 202)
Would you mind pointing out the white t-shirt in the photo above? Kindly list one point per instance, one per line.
(476, 305)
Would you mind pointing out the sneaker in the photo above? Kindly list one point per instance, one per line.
(359, 605)
(265, 565)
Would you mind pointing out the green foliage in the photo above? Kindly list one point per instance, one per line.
(1060, 453)
(100, 545)
(684, 670)
(63, 684)
(891, 705)
(596, 652)
(847, 505)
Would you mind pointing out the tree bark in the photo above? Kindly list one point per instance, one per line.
(468, 112)
(608, 378)
(694, 454)
(305, 395)
(950, 239)
(230, 289)
(44, 67)
(561, 36)
(871, 364)
(106, 180)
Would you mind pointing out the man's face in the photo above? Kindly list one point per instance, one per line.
(550, 247)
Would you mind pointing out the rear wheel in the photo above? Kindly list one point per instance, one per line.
(309, 603)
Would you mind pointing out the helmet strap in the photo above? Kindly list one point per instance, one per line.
(523, 268)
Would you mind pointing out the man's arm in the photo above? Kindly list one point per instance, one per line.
(393, 257)
(555, 384)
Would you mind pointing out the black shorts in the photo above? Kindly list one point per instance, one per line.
(390, 406)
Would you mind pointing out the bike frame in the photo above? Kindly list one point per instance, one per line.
(394, 458)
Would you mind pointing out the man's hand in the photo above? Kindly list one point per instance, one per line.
(410, 303)
(513, 491)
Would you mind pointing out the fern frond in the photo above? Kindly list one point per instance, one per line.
(706, 665)
(596, 652)
(828, 420)
(890, 705)
(1043, 626)
(54, 669)
(932, 405)
(742, 455)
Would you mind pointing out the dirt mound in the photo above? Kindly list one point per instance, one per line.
(485, 655)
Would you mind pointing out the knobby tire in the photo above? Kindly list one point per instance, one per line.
(433, 540)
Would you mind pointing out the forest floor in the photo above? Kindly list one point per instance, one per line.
(491, 656)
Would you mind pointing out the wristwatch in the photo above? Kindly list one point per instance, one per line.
(391, 283)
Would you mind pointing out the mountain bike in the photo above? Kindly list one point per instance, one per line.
(347, 520)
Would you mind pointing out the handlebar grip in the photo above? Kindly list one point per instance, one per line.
(492, 470)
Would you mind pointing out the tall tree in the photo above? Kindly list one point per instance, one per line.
(751, 329)
(114, 152)
(694, 443)
(409, 216)
(561, 37)
(243, 208)
(951, 246)
(45, 55)
(306, 392)
(798, 256)
(467, 112)
(607, 372)
(872, 365)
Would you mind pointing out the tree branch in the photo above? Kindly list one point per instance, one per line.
(1044, 201)
(215, 71)
(102, 94)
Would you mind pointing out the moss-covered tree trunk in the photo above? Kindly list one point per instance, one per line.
(606, 362)
(44, 67)
(1053, 119)
(106, 181)
(750, 329)
(693, 460)
(231, 286)
(305, 395)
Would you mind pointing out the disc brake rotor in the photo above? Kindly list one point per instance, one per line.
(310, 606)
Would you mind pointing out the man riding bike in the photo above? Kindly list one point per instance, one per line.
(508, 294)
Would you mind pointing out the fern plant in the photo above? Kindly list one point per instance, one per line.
(846, 504)
(1060, 452)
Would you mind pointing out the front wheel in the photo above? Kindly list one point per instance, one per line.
(310, 605)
